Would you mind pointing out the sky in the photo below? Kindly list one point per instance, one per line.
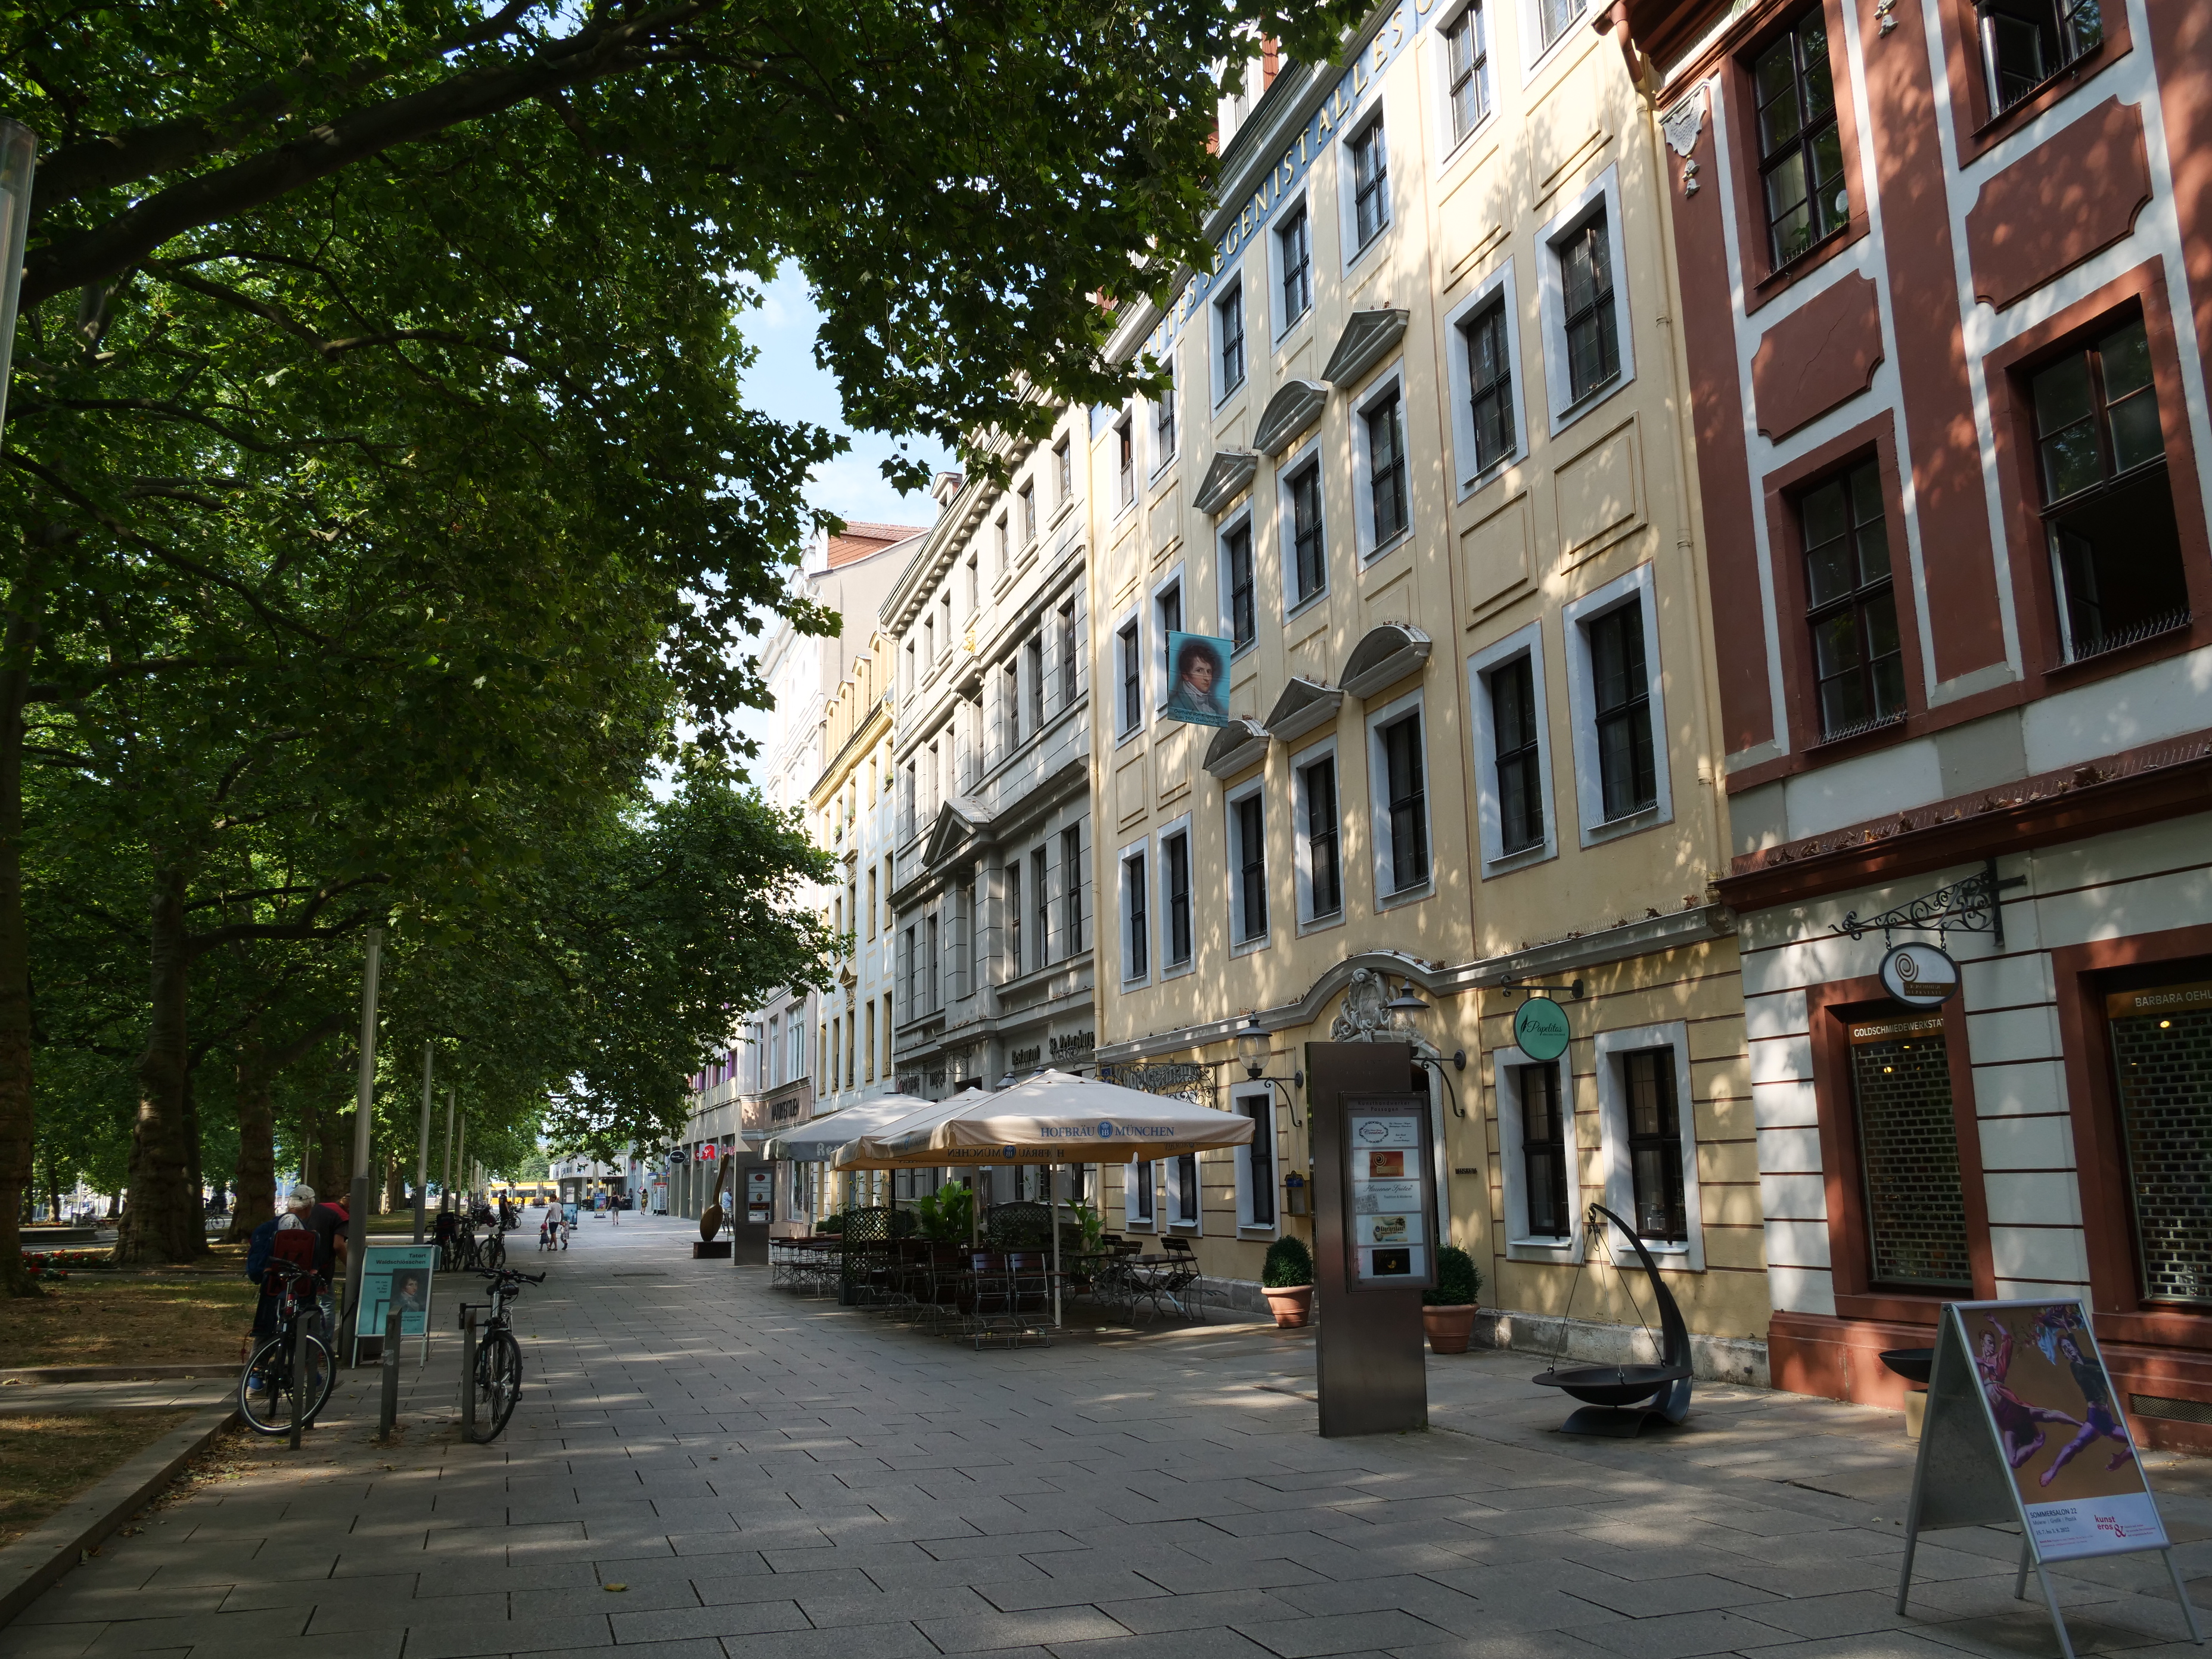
(786, 382)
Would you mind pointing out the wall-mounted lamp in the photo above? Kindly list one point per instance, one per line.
(1406, 1005)
(1254, 1048)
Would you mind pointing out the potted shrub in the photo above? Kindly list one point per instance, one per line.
(1448, 1311)
(1287, 1278)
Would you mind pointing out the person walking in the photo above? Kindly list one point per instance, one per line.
(614, 1208)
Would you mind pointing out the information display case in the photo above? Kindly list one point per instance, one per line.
(1390, 1173)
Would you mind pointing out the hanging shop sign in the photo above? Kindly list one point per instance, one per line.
(1920, 975)
(1539, 1029)
(1389, 1171)
(2023, 1426)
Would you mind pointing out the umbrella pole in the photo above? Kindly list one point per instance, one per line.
(1052, 1175)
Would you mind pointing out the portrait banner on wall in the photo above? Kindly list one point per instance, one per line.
(2024, 1426)
(1198, 679)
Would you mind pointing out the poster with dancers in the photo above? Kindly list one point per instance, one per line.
(2060, 1428)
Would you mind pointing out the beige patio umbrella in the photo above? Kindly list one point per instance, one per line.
(817, 1141)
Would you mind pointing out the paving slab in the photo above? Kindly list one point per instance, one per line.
(705, 1468)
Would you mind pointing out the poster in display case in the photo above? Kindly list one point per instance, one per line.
(1390, 1193)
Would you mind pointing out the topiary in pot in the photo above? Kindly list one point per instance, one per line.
(1448, 1311)
(1286, 1277)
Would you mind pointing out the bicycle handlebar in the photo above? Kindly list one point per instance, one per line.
(511, 1275)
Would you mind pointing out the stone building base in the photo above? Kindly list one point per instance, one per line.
(1712, 1358)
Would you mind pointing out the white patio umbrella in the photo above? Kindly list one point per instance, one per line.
(818, 1140)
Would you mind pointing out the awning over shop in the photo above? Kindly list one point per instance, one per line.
(1052, 1117)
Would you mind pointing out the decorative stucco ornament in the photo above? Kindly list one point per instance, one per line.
(1682, 123)
(1365, 1018)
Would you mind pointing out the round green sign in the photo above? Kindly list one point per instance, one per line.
(1540, 1029)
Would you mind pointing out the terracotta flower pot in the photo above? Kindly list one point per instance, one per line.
(1449, 1328)
(1292, 1305)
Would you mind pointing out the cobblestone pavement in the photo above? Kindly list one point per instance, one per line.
(704, 1469)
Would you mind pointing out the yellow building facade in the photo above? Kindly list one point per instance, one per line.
(1424, 494)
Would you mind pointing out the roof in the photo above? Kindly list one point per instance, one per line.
(860, 539)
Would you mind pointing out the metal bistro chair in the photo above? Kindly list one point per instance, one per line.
(989, 1294)
(1030, 1275)
(1169, 1284)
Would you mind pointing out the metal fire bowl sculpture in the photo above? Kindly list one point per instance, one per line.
(1620, 1399)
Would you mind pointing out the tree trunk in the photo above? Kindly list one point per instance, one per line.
(195, 1180)
(256, 1175)
(333, 1179)
(395, 1189)
(25, 612)
(162, 1222)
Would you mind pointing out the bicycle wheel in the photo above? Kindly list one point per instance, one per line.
(495, 1254)
(264, 1389)
(499, 1382)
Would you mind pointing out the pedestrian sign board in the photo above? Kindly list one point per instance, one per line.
(1389, 1167)
(2023, 1426)
(397, 1275)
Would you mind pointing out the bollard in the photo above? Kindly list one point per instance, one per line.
(299, 1377)
(468, 1372)
(387, 1415)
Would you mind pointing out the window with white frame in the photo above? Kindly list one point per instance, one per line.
(1398, 771)
(1001, 541)
(1239, 598)
(1136, 921)
(1177, 933)
(1163, 423)
(1319, 856)
(1137, 1194)
(1554, 18)
(1129, 669)
(1371, 184)
(1303, 540)
(1467, 72)
(1537, 1157)
(1246, 808)
(1033, 671)
(1619, 718)
(1293, 262)
(1010, 891)
(1125, 461)
(1513, 774)
(1183, 1190)
(1255, 1161)
(1040, 899)
(1485, 399)
(1382, 489)
(1167, 618)
(1063, 454)
(1647, 1121)
(1029, 513)
(1587, 354)
(1069, 645)
(1229, 339)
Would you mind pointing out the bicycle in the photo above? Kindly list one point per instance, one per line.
(266, 1386)
(498, 1380)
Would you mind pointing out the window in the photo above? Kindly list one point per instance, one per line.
(887, 1036)
(1013, 868)
(2108, 506)
(1467, 72)
(1801, 152)
(1544, 1146)
(929, 643)
(1125, 452)
(1167, 618)
(1592, 329)
(1858, 660)
(1229, 330)
(1386, 468)
(1136, 925)
(1294, 251)
(1517, 734)
(1029, 512)
(1164, 427)
(1553, 18)
(1490, 385)
(1001, 537)
(1236, 579)
(1370, 185)
(1309, 556)
(1010, 708)
(872, 901)
(1407, 802)
(1248, 853)
(1067, 650)
(1064, 466)
(1256, 1163)
(868, 1072)
(1175, 855)
(2027, 42)
(1324, 870)
(2161, 1045)
(887, 895)
(1655, 1143)
(1041, 888)
(1183, 1190)
(1137, 1196)
(1621, 690)
(975, 587)
(936, 959)
(1133, 678)
(1033, 659)
(1071, 897)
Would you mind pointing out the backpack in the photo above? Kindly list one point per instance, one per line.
(294, 1244)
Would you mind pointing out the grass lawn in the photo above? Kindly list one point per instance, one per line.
(134, 1316)
(46, 1461)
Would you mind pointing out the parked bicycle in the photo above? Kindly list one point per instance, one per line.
(272, 1376)
(498, 1380)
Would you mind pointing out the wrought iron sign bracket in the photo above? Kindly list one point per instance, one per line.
(1970, 905)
